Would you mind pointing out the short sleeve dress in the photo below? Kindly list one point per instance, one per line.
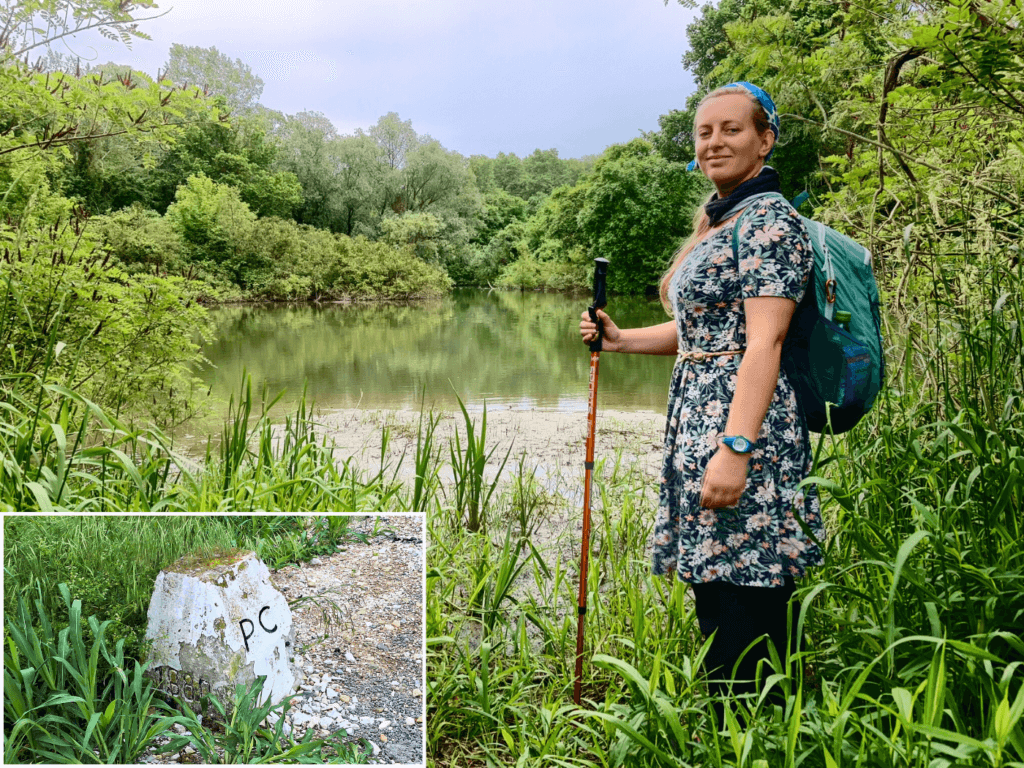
(759, 541)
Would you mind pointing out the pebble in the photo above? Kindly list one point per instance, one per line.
(367, 720)
(326, 722)
(349, 656)
(385, 724)
(316, 561)
(331, 693)
(344, 698)
(416, 692)
(376, 749)
(410, 721)
(383, 738)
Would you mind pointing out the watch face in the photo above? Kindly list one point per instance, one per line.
(741, 444)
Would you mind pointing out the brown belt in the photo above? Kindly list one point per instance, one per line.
(699, 355)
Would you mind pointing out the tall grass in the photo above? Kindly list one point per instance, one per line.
(110, 563)
(59, 452)
(69, 698)
(910, 637)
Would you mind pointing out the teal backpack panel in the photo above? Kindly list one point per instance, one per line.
(836, 368)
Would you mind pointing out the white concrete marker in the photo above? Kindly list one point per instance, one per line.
(218, 623)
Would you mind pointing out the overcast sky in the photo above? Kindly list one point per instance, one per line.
(481, 77)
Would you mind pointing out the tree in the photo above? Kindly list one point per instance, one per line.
(215, 72)
(305, 151)
(27, 25)
(131, 340)
(634, 208)
(716, 57)
(347, 184)
(431, 176)
(216, 227)
(500, 209)
(508, 174)
(395, 138)
(419, 231)
(355, 202)
(637, 208)
(49, 111)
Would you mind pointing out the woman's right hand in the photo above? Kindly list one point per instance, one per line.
(588, 328)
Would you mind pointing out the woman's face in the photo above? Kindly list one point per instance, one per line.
(729, 148)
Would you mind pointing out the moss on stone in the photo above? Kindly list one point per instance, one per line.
(234, 665)
(193, 564)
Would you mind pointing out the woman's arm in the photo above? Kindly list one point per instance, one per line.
(652, 340)
(767, 320)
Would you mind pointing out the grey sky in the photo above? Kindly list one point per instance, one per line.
(481, 77)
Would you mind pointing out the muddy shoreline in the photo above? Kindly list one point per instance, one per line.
(551, 444)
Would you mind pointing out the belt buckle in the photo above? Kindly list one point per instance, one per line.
(697, 355)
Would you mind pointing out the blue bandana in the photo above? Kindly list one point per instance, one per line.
(766, 103)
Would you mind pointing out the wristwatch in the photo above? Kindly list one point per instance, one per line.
(738, 443)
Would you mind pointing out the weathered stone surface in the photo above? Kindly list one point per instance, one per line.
(217, 623)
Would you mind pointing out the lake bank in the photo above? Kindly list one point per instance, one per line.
(550, 442)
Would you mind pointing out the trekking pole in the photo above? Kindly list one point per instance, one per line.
(600, 301)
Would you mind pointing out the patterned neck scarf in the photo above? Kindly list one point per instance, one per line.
(718, 209)
(766, 104)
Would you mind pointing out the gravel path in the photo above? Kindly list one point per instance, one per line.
(364, 665)
(359, 631)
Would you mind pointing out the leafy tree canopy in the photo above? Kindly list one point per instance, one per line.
(231, 80)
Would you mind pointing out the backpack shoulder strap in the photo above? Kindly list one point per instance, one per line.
(739, 219)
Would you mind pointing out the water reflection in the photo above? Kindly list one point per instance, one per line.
(512, 349)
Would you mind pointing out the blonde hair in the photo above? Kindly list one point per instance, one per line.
(701, 222)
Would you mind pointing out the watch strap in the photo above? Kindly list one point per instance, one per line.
(745, 445)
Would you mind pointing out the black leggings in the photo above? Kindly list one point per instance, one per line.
(741, 614)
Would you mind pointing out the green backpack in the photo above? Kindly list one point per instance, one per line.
(833, 350)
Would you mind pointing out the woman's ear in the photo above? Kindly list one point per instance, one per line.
(767, 144)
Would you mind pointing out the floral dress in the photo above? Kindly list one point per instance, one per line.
(759, 541)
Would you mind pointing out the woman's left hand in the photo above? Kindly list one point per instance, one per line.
(724, 479)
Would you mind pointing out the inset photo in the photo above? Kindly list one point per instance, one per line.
(214, 639)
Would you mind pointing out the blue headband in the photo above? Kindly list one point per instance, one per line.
(766, 104)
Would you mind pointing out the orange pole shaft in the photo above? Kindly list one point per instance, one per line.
(585, 548)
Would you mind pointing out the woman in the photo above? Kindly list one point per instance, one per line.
(736, 445)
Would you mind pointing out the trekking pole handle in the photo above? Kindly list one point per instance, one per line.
(600, 300)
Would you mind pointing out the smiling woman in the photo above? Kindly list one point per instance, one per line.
(736, 444)
(733, 140)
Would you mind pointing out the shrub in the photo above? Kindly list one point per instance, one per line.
(371, 270)
(217, 229)
(124, 341)
(142, 240)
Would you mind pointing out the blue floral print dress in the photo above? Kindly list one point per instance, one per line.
(759, 541)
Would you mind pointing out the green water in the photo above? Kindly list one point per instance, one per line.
(514, 350)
